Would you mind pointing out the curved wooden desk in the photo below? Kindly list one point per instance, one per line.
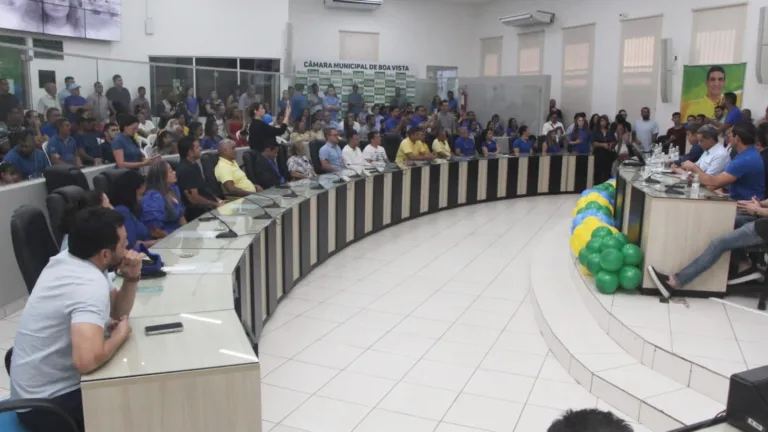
(234, 285)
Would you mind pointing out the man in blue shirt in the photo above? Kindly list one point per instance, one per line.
(355, 100)
(87, 140)
(330, 153)
(62, 148)
(420, 118)
(732, 116)
(745, 175)
(453, 104)
(393, 122)
(464, 145)
(74, 102)
(64, 92)
(25, 156)
(696, 150)
(298, 103)
(49, 128)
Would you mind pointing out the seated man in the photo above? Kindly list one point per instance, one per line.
(352, 156)
(464, 145)
(374, 153)
(693, 155)
(228, 173)
(88, 141)
(745, 175)
(25, 156)
(48, 128)
(330, 153)
(198, 199)
(440, 146)
(413, 148)
(268, 170)
(61, 332)
(62, 148)
(715, 157)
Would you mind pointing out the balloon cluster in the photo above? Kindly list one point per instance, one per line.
(604, 252)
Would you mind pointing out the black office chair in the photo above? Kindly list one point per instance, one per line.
(363, 144)
(9, 421)
(391, 143)
(57, 203)
(173, 163)
(32, 241)
(342, 143)
(208, 161)
(314, 155)
(105, 180)
(58, 176)
(249, 159)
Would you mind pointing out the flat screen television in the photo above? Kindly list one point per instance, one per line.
(89, 19)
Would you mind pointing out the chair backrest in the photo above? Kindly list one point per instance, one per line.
(57, 176)
(282, 156)
(314, 155)
(105, 180)
(32, 241)
(391, 143)
(173, 163)
(249, 159)
(57, 203)
(208, 161)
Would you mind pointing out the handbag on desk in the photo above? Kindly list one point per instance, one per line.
(152, 265)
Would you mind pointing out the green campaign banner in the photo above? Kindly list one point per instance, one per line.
(705, 85)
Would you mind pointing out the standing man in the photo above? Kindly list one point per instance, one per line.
(355, 100)
(446, 120)
(248, 98)
(141, 101)
(399, 100)
(298, 104)
(732, 116)
(553, 122)
(8, 101)
(676, 135)
(64, 93)
(119, 97)
(61, 333)
(646, 130)
(554, 109)
(453, 104)
(315, 102)
(719, 113)
(62, 148)
(197, 198)
(74, 102)
(48, 100)
(98, 104)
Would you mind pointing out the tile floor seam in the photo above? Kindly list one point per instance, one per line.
(534, 385)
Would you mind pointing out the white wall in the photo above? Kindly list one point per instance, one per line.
(417, 32)
(205, 28)
(677, 23)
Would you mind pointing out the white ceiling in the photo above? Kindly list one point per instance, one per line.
(468, 2)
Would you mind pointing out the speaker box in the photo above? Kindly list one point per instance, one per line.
(762, 48)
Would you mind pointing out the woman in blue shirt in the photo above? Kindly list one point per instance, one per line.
(331, 103)
(489, 145)
(512, 127)
(603, 143)
(580, 138)
(124, 149)
(161, 208)
(523, 144)
(210, 137)
(126, 194)
(554, 141)
(496, 126)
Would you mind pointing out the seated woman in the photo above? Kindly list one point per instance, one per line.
(210, 139)
(126, 193)
(489, 145)
(126, 152)
(555, 141)
(161, 208)
(300, 134)
(162, 145)
(523, 144)
(92, 198)
(299, 164)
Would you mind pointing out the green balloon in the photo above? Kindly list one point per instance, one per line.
(593, 246)
(606, 211)
(611, 259)
(583, 254)
(581, 210)
(621, 237)
(607, 282)
(601, 232)
(601, 187)
(630, 277)
(633, 256)
(593, 263)
(611, 243)
(593, 205)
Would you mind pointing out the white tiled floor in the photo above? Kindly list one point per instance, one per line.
(442, 340)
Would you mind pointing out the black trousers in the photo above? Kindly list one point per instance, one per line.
(48, 421)
(603, 165)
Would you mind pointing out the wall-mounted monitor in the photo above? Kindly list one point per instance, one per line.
(89, 19)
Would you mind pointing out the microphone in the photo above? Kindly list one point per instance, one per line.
(263, 216)
(274, 204)
(290, 194)
(356, 175)
(340, 180)
(315, 185)
(227, 234)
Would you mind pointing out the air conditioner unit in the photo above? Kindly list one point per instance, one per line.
(354, 4)
(528, 19)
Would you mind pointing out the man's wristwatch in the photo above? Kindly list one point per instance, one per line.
(755, 212)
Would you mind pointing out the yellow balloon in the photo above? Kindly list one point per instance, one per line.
(583, 232)
(575, 210)
(584, 271)
(577, 243)
(592, 222)
(594, 196)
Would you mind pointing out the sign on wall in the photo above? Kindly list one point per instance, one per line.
(705, 85)
(377, 81)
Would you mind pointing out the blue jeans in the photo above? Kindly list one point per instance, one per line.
(743, 219)
(743, 237)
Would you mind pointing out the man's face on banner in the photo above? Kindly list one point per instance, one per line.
(716, 83)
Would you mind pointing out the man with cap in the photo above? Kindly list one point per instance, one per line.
(73, 102)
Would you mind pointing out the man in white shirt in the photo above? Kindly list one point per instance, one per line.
(61, 334)
(48, 100)
(552, 124)
(374, 153)
(715, 158)
(646, 130)
(352, 156)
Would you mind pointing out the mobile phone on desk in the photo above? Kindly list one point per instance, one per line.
(174, 327)
(718, 198)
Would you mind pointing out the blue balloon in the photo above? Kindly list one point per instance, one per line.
(605, 219)
(267, 119)
(578, 219)
(587, 192)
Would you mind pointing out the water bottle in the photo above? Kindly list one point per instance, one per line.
(695, 186)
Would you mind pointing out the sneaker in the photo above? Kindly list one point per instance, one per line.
(660, 280)
(746, 275)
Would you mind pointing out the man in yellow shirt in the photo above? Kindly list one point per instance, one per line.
(229, 174)
(440, 146)
(715, 88)
(413, 147)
